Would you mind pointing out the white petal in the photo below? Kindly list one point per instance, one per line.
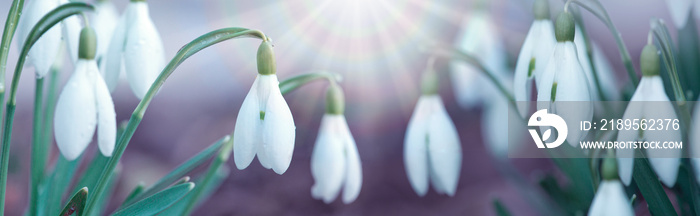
(144, 57)
(33, 11)
(415, 146)
(104, 20)
(112, 63)
(582, 54)
(106, 117)
(444, 150)
(328, 164)
(44, 52)
(353, 176)
(625, 168)
(679, 11)
(606, 74)
(247, 134)
(278, 127)
(537, 49)
(611, 199)
(625, 157)
(76, 117)
(71, 33)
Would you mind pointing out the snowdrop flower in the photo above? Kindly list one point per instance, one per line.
(601, 65)
(105, 19)
(563, 80)
(335, 162)
(680, 10)
(534, 55)
(85, 104)
(610, 199)
(45, 51)
(136, 46)
(495, 119)
(264, 126)
(480, 37)
(650, 102)
(432, 151)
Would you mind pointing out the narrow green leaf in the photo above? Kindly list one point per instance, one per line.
(651, 189)
(58, 183)
(158, 202)
(76, 205)
(209, 176)
(136, 191)
(92, 173)
(179, 207)
(293, 83)
(103, 199)
(689, 57)
(687, 188)
(180, 171)
(500, 209)
(599, 11)
(658, 27)
(188, 50)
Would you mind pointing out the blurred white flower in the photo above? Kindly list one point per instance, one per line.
(432, 151)
(494, 121)
(335, 161)
(45, 51)
(136, 46)
(611, 199)
(650, 102)
(564, 80)
(534, 55)
(105, 20)
(83, 105)
(680, 10)
(601, 65)
(264, 127)
(478, 36)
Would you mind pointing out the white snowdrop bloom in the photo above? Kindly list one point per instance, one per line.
(601, 65)
(84, 105)
(564, 81)
(335, 162)
(432, 151)
(534, 55)
(264, 126)
(650, 102)
(495, 120)
(610, 198)
(479, 36)
(45, 51)
(105, 19)
(136, 46)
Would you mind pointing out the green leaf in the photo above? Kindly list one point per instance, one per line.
(92, 173)
(209, 176)
(500, 209)
(76, 205)
(599, 11)
(687, 188)
(689, 57)
(658, 27)
(179, 207)
(185, 52)
(158, 202)
(136, 191)
(59, 181)
(293, 83)
(651, 189)
(180, 171)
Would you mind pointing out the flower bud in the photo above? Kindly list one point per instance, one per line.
(88, 43)
(266, 59)
(649, 61)
(609, 169)
(540, 9)
(429, 83)
(564, 27)
(335, 100)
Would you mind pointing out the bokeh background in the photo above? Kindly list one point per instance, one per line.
(375, 45)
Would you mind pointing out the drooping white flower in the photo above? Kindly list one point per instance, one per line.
(495, 120)
(564, 81)
(432, 151)
(105, 20)
(650, 102)
(611, 199)
(335, 162)
(45, 51)
(264, 126)
(136, 46)
(83, 105)
(534, 55)
(601, 65)
(479, 36)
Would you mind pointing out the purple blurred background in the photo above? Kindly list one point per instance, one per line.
(374, 45)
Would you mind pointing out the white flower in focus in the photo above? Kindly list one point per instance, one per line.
(105, 20)
(432, 151)
(534, 55)
(335, 162)
(563, 82)
(479, 36)
(650, 102)
(264, 126)
(85, 104)
(136, 46)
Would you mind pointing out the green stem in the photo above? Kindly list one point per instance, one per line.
(185, 52)
(214, 167)
(293, 83)
(38, 151)
(5, 157)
